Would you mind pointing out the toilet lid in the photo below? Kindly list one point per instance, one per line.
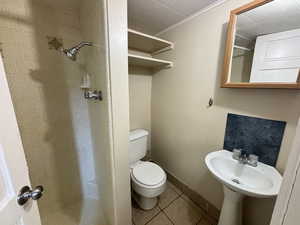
(148, 173)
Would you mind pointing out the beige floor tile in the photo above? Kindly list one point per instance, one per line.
(176, 189)
(160, 219)
(182, 213)
(141, 217)
(203, 222)
(167, 197)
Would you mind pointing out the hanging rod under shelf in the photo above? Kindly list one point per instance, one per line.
(242, 48)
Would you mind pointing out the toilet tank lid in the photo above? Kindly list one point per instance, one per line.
(138, 133)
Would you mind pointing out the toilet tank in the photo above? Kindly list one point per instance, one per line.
(137, 145)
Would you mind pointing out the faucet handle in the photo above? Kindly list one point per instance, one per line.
(236, 153)
(253, 160)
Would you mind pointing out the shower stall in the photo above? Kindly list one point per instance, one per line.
(75, 142)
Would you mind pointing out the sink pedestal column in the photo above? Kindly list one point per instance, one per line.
(231, 213)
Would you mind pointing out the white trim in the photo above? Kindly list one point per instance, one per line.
(204, 10)
(148, 61)
(147, 41)
(289, 178)
(147, 36)
(117, 43)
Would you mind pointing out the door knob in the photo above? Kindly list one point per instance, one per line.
(26, 193)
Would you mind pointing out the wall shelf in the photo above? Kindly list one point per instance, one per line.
(148, 62)
(147, 43)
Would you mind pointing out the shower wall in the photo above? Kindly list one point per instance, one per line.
(53, 116)
(93, 20)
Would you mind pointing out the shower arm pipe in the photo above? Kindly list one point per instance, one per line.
(79, 46)
(72, 52)
(84, 43)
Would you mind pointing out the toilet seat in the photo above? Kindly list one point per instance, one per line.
(148, 174)
(148, 181)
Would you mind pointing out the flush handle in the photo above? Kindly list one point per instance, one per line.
(26, 194)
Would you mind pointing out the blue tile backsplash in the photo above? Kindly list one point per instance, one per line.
(261, 137)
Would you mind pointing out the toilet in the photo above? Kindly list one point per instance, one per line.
(148, 180)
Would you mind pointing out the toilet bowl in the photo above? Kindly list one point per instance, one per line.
(148, 180)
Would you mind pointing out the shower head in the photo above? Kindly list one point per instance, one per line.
(73, 52)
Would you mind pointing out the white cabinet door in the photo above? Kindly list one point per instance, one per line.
(277, 57)
(13, 167)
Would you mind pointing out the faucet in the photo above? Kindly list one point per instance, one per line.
(243, 158)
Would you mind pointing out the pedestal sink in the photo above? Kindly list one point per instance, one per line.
(239, 180)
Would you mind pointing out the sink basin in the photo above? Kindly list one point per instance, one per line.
(238, 180)
(261, 181)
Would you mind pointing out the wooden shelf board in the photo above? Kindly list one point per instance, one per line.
(137, 60)
(262, 85)
(146, 43)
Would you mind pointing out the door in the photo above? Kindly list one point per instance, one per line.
(277, 57)
(13, 167)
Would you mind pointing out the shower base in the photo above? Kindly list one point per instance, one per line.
(89, 212)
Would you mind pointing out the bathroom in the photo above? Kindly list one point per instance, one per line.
(76, 115)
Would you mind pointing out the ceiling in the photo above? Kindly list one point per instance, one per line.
(153, 16)
(274, 17)
(149, 16)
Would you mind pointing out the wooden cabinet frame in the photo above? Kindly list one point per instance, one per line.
(225, 83)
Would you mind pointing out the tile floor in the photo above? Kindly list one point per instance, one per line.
(174, 208)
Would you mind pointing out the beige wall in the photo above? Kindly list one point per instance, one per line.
(184, 129)
(140, 84)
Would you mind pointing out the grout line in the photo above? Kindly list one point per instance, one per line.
(159, 211)
(169, 203)
(154, 216)
(203, 213)
(189, 192)
(168, 217)
(196, 204)
(175, 188)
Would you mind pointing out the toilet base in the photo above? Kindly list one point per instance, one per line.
(143, 202)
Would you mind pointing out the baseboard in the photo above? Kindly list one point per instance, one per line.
(212, 212)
